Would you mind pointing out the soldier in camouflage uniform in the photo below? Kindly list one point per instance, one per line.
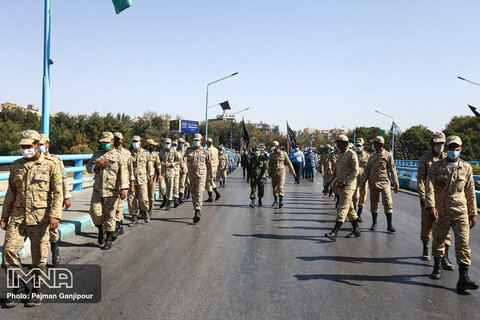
(187, 192)
(169, 159)
(144, 172)
(33, 205)
(155, 159)
(276, 170)
(361, 192)
(118, 142)
(345, 176)
(377, 171)
(222, 166)
(183, 171)
(437, 141)
(258, 169)
(178, 171)
(55, 234)
(110, 182)
(199, 170)
(450, 199)
(212, 187)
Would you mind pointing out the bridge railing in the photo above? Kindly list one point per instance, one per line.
(77, 170)
(414, 163)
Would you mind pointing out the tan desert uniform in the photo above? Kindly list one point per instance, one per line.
(426, 224)
(361, 193)
(106, 187)
(176, 180)
(199, 170)
(214, 159)
(143, 170)
(451, 190)
(345, 171)
(127, 156)
(331, 161)
(156, 166)
(276, 170)
(168, 174)
(55, 234)
(222, 168)
(183, 166)
(33, 196)
(377, 171)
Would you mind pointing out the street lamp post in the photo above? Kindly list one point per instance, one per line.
(462, 78)
(46, 71)
(206, 103)
(393, 129)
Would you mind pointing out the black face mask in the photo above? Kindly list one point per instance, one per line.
(117, 143)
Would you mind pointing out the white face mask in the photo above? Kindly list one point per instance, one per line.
(438, 148)
(28, 153)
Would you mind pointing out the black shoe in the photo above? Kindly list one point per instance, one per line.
(464, 282)
(356, 231)
(275, 202)
(333, 234)
(13, 301)
(188, 194)
(164, 203)
(169, 204)
(101, 234)
(252, 203)
(210, 197)
(446, 264)
(337, 201)
(260, 202)
(56, 257)
(180, 198)
(374, 222)
(280, 201)
(108, 242)
(175, 202)
(34, 299)
(146, 217)
(425, 253)
(437, 269)
(196, 218)
(217, 194)
(359, 214)
(120, 228)
(134, 221)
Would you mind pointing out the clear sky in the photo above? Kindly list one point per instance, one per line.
(316, 63)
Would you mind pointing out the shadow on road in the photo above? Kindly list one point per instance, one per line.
(283, 237)
(360, 260)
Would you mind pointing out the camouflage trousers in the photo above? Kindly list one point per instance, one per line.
(138, 199)
(102, 210)
(360, 195)
(222, 175)
(176, 185)
(345, 206)
(278, 182)
(183, 182)
(197, 186)
(386, 199)
(326, 177)
(426, 225)
(255, 183)
(54, 235)
(461, 229)
(209, 187)
(167, 186)
(151, 194)
(15, 239)
(120, 207)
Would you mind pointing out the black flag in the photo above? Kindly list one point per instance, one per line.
(474, 110)
(231, 134)
(292, 138)
(225, 105)
(245, 136)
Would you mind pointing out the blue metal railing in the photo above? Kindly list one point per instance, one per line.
(414, 163)
(77, 169)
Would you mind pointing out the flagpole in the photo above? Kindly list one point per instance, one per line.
(288, 140)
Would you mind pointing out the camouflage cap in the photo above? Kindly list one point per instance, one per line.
(181, 140)
(378, 139)
(197, 136)
(152, 142)
(275, 143)
(28, 137)
(328, 146)
(118, 135)
(168, 140)
(106, 137)
(187, 144)
(342, 138)
(44, 139)
(438, 137)
(136, 138)
(360, 141)
(210, 140)
(175, 142)
(454, 139)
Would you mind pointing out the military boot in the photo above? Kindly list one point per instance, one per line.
(217, 194)
(175, 202)
(333, 234)
(196, 218)
(35, 298)
(120, 228)
(356, 230)
(374, 221)
(390, 227)
(56, 257)
(275, 201)
(437, 269)
(446, 264)
(359, 214)
(188, 194)
(425, 254)
(210, 197)
(464, 282)
(146, 217)
(101, 234)
(180, 198)
(150, 211)
(280, 201)
(252, 203)
(22, 289)
(337, 201)
(164, 203)
(134, 221)
(169, 204)
(260, 202)
(330, 192)
(108, 242)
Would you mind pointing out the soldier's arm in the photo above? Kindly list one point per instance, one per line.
(270, 166)
(429, 188)
(265, 167)
(150, 167)
(10, 197)
(66, 191)
(366, 173)
(56, 192)
(354, 164)
(209, 166)
(131, 174)
(123, 174)
(421, 177)
(393, 173)
(92, 163)
(470, 193)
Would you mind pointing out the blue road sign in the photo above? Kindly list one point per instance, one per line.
(189, 126)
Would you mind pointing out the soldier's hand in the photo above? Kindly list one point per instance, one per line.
(264, 177)
(67, 203)
(99, 165)
(4, 223)
(341, 185)
(150, 182)
(473, 221)
(132, 188)
(396, 189)
(53, 223)
(106, 163)
(434, 214)
(211, 180)
(184, 171)
(123, 194)
(422, 202)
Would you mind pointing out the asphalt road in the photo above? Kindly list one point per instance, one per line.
(262, 263)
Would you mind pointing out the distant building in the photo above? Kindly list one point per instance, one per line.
(266, 128)
(11, 106)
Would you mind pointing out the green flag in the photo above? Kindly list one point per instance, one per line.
(121, 5)
(382, 133)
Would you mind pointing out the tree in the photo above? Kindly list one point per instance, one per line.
(468, 129)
